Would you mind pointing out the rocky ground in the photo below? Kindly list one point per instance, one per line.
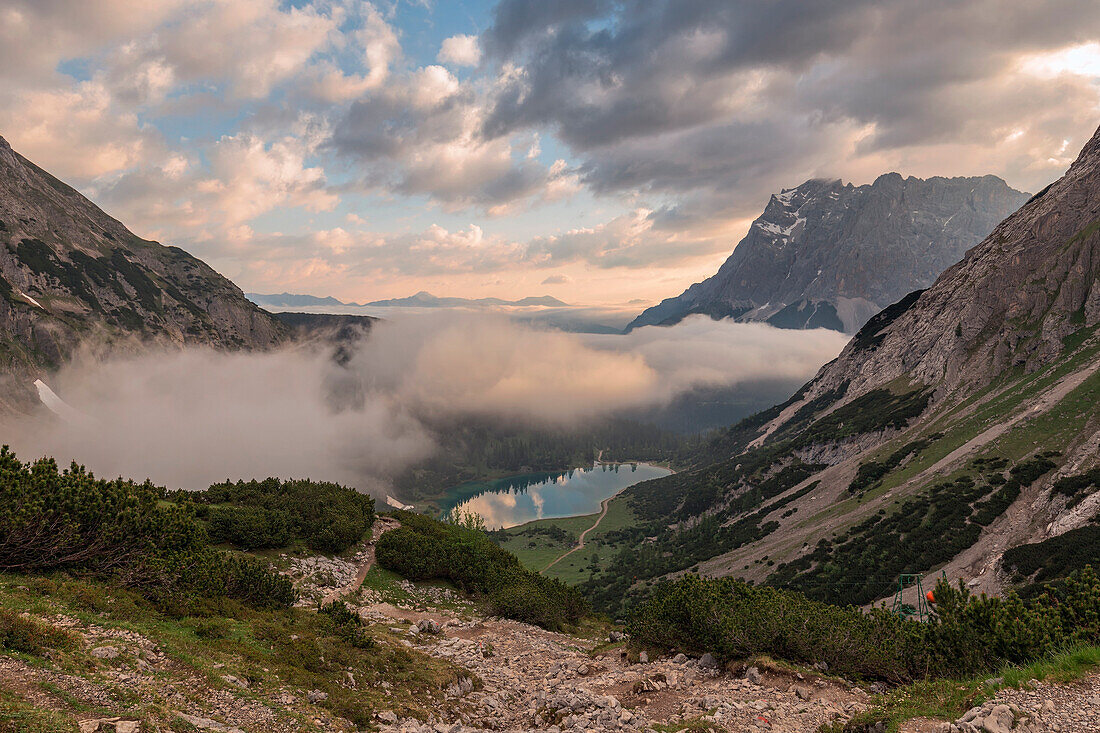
(517, 678)
(532, 679)
(1037, 707)
(131, 666)
(537, 680)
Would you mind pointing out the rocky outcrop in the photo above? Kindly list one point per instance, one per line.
(70, 276)
(830, 255)
(1017, 300)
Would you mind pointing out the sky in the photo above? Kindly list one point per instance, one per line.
(605, 153)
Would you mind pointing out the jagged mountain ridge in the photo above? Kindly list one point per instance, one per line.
(830, 255)
(958, 428)
(70, 275)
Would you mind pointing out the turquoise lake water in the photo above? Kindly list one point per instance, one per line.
(513, 500)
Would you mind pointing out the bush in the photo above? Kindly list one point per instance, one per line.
(69, 520)
(733, 620)
(347, 624)
(1056, 557)
(244, 578)
(249, 528)
(327, 517)
(53, 520)
(926, 531)
(424, 549)
(967, 634)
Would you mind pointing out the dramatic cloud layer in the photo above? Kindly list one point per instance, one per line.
(327, 145)
(188, 418)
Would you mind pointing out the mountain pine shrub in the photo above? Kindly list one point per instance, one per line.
(967, 634)
(252, 515)
(54, 520)
(425, 549)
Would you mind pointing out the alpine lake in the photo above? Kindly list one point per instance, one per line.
(513, 500)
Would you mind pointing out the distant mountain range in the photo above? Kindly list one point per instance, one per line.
(422, 299)
(71, 275)
(831, 255)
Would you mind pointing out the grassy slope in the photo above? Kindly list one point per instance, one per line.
(276, 651)
(1050, 430)
(948, 700)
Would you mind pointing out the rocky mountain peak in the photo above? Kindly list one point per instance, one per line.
(827, 254)
(1018, 300)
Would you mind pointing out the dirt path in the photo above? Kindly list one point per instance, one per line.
(580, 540)
(381, 525)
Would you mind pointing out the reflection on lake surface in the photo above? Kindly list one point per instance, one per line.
(514, 500)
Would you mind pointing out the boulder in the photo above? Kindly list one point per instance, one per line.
(999, 720)
(428, 626)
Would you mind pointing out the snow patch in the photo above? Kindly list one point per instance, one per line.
(774, 229)
(30, 300)
(786, 197)
(390, 501)
(56, 405)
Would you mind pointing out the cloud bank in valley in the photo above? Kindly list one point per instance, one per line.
(189, 418)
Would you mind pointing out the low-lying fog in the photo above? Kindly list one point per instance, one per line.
(189, 418)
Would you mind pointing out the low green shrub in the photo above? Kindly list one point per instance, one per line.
(966, 635)
(327, 517)
(53, 520)
(425, 549)
(925, 531)
(251, 528)
(347, 624)
(1056, 557)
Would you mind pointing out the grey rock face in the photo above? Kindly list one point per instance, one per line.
(70, 275)
(1012, 302)
(830, 255)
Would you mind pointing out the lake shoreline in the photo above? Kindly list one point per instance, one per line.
(522, 499)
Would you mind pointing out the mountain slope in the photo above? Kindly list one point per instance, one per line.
(830, 255)
(72, 275)
(958, 424)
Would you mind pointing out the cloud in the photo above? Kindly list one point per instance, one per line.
(194, 120)
(189, 418)
(76, 131)
(557, 280)
(36, 35)
(712, 106)
(460, 50)
(421, 134)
